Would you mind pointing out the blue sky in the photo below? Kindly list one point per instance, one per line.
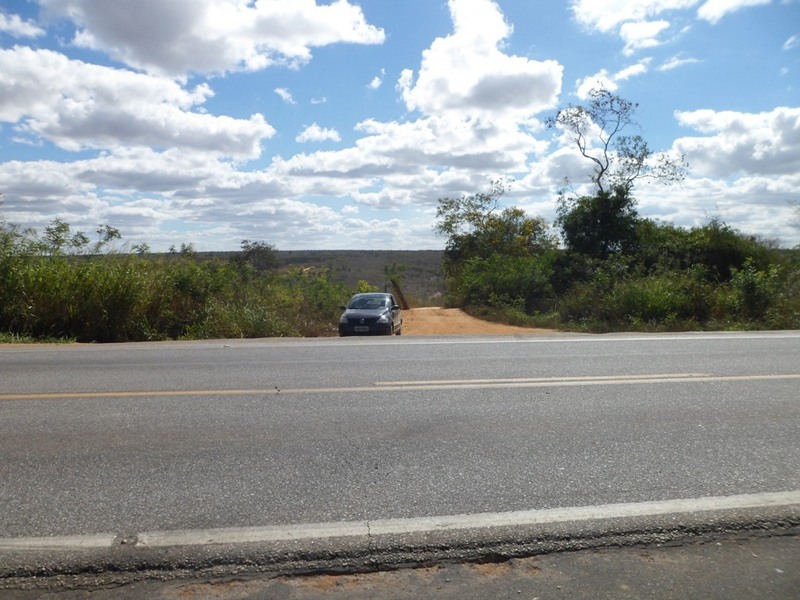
(317, 124)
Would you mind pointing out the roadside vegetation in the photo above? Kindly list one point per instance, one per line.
(62, 286)
(603, 267)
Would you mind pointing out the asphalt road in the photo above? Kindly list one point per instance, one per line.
(166, 444)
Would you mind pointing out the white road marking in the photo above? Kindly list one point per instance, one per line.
(417, 525)
(58, 542)
(599, 379)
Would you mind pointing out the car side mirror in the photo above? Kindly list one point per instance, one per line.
(342, 308)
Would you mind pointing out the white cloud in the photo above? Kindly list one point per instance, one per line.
(467, 129)
(676, 62)
(714, 10)
(213, 36)
(77, 106)
(409, 164)
(377, 81)
(641, 34)
(610, 81)
(636, 69)
(792, 43)
(633, 20)
(742, 143)
(467, 73)
(608, 16)
(600, 80)
(754, 205)
(472, 110)
(285, 95)
(315, 133)
(16, 27)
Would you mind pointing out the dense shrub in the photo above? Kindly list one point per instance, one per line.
(620, 271)
(521, 281)
(671, 300)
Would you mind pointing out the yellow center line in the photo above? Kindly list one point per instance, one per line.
(414, 386)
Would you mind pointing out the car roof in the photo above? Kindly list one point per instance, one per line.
(373, 294)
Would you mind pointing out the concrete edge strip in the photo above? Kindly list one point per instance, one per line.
(416, 525)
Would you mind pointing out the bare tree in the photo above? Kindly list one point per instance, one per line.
(599, 131)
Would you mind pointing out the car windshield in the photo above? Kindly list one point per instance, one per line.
(369, 302)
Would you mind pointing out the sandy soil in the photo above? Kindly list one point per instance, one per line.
(453, 321)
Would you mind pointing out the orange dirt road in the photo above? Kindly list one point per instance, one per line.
(453, 321)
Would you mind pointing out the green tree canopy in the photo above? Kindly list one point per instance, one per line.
(607, 223)
(600, 225)
(261, 256)
(476, 226)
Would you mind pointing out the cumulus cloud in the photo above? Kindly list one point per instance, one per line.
(484, 125)
(754, 205)
(641, 34)
(445, 142)
(467, 72)
(713, 10)
(77, 105)
(477, 106)
(745, 169)
(610, 15)
(472, 112)
(377, 81)
(633, 20)
(16, 27)
(738, 144)
(213, 36)
(610, 81)
(315, 133)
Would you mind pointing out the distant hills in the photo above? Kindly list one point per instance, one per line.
(423, 278)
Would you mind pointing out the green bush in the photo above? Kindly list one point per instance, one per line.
(521, 281)
(753, 290)
(668, 301)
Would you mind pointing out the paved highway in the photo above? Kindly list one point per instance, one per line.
(142, 442)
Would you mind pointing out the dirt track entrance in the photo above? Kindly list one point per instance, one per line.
(454, 321)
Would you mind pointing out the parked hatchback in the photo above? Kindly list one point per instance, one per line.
(371, 314)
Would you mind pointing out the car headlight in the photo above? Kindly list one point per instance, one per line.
(384, 318)
(343, 318)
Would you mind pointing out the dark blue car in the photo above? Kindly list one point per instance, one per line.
(371, 314)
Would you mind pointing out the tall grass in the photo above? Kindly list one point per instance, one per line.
(115, 298)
